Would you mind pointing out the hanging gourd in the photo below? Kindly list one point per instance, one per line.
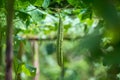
(59, 41)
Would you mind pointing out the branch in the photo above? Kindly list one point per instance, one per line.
(50, 39)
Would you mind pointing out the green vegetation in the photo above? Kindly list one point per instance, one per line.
(59, 40)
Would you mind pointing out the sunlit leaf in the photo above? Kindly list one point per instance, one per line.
(17, 65)
(29, 70)
(20, 67)
(38, 3)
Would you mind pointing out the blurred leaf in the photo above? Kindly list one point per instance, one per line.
(20, 67)
(29, 70)
(30, 1)
(50, 48)
(46, 3)
(86, 13)
(2, 74)
(17, 65)
(36, 15)
(23, 15)
(113, 35)
(91, 41)
(87, 1)
(21, 4)
(107, 11)
(75, 3)
(92, 44)
(112, 57)
(38, 3)
(2, 3)
(58, 1)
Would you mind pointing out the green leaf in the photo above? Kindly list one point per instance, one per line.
(1, 3)
(23, 15)
(107, 11)
(58, 1)
(17, 65)
(75, 3)
(46, 3)
(2, 74)
(38, 3)
(30, 1)
(20, 67)
(29, 70)
(90, 41)
(36, 15)
(86, 13)
(87, 1)
(112, 57)
(19, 4)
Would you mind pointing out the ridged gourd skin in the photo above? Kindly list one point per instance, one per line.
(59, 42)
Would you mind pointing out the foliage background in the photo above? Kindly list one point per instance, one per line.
(91, 43)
